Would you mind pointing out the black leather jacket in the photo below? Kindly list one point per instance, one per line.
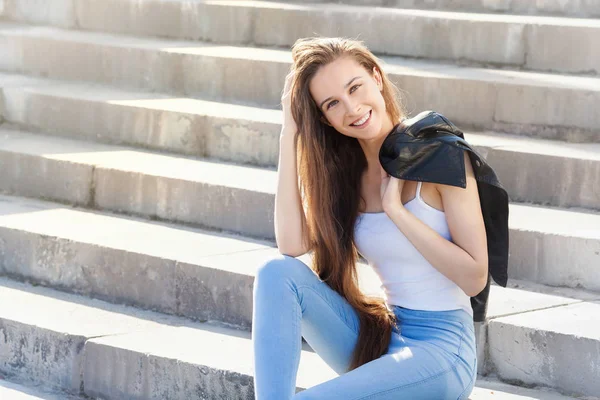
(430, 148)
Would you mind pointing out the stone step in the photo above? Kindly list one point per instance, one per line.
(62, 12)
(528, 42)
(572, 8)
(529, 103)
(58, 12)
(486, 389)
(250, 135)
(153, 265)
(532, 333)
(16, 391)
(118, 352)
(241, 199)
(209, 276)
(123, 179)
(191, 126)
(490, 389)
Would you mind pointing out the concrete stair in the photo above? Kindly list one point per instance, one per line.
(529, 42)
(208, 276)
(240, 199)
(113, 351)
(573, 8)
(65, 13)
(539, 104)
(138, 152)
(15, 391)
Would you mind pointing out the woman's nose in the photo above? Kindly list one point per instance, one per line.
(352, 107)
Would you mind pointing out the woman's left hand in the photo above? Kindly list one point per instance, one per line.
(391, 188)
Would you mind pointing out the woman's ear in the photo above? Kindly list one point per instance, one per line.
(378, 78)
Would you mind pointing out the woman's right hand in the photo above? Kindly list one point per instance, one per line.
(289, 125)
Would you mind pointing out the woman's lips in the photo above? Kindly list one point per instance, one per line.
(366, 122)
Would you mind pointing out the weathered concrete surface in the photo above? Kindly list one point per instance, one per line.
(565, 251)
(227, 197)
(232, 197)
(578, 8)
(44, 333)
(157, 64)
(191, 363)
(543, 171)
(502, 39)
(202, 275)
(546, 105)
(57, 12)
(16, 391)
(416, 33)
(40, 355)
(184, 125)
(209, 193)
(548, 44)
(152, 356)
(499, 96)
(127, 261)
(138, 352)
(481, 347)
(128, 353)
(29, 169)
(489, 389)
(63, 14)
(558, 347)
(251, 135)
(520, 297)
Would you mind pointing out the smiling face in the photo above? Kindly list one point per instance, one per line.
(350, 99)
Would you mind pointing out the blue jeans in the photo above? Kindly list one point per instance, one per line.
(433, 355)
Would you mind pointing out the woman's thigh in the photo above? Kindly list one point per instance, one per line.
(432, 357)
(329, 324)
(411, 371)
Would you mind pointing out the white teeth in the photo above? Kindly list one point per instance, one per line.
(362, 120)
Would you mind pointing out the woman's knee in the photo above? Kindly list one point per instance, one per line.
(282, 267)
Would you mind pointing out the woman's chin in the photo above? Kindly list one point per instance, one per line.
(373, 131)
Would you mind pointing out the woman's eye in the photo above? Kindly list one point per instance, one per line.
(352, 90)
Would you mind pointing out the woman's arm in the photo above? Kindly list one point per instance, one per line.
(290, 230)
(465, 259)
(290, 226)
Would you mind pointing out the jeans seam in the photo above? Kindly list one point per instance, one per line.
(454, 368)
(462, 339)
(327, 302)
(466, 387)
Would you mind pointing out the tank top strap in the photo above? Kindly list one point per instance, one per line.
(422, 202)
(419, 185)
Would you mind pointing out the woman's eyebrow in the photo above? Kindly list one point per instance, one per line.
(345, 86)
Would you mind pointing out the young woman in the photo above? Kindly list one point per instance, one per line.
(426, 241)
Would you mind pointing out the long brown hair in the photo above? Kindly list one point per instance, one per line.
(330, 169)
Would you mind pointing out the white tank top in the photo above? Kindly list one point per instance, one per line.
(408, 279)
